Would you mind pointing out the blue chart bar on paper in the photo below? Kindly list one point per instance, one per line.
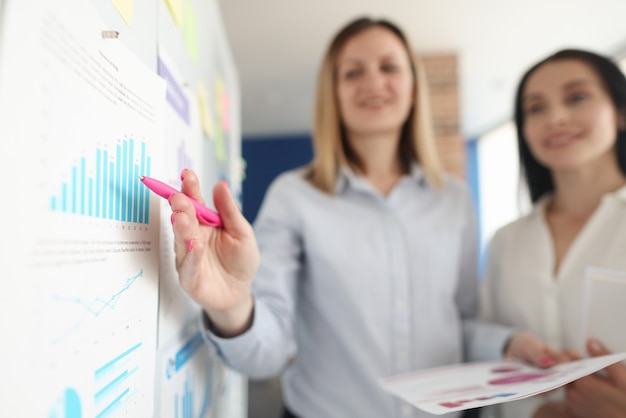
(107, 187)
(188, 350)
(112, 382)
(183, 355)
(68, 405)
(184, 407)
(72, 404)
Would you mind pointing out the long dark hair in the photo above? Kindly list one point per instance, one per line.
(538, 176)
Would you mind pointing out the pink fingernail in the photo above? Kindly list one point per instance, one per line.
(190, 245)
(172, 216)
(226, 183)
(182, 174)
(546, 360)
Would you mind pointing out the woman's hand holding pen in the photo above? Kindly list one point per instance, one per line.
(215, 265)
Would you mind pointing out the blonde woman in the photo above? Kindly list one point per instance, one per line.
(367, 255)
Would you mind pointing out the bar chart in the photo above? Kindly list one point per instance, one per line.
(184, 404)
(107, 186)
(182, 368)
(186, 352)
(113, 381)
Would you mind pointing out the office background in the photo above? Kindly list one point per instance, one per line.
(96, 324)
(474, 54)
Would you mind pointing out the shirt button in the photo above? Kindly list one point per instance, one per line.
(406, 410)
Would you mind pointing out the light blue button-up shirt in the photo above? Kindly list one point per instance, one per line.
(357, 286)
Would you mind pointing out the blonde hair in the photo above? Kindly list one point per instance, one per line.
(329, 142)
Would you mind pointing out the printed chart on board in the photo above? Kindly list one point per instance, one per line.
(93, 245)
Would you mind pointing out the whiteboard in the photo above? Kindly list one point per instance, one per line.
(92, 95)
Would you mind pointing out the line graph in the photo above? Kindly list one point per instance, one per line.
(96, 306)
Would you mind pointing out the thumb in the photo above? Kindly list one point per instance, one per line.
(617, 371)
(234, 221)
(596, 348)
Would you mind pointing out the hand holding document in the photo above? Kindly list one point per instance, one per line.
(471, 385)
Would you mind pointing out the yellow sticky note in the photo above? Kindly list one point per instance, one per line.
(220, 151)
(190, 30)
(125, 9)
(205, 111)
(176, 10)
(219, 87)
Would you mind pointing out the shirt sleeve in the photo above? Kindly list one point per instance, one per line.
(483, 340)
(265, 349)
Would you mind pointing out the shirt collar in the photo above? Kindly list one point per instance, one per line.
(539, 206)
(417, 173)
(620, 193)
(348, 178)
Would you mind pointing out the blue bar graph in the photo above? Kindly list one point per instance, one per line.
(112, 381)
(114, 404)
(188, 350)
(183, 408)
(111, 364)
(117, 191)
(107, 187)
(187, 402)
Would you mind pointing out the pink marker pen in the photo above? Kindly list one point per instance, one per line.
(205, 215)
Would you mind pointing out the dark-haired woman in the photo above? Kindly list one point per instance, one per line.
(570, 112)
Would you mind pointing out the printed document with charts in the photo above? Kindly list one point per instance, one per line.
(471, 385)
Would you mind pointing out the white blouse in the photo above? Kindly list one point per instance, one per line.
(523, 291)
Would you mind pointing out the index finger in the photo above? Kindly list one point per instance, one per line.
(191, 185)
(184, 224)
